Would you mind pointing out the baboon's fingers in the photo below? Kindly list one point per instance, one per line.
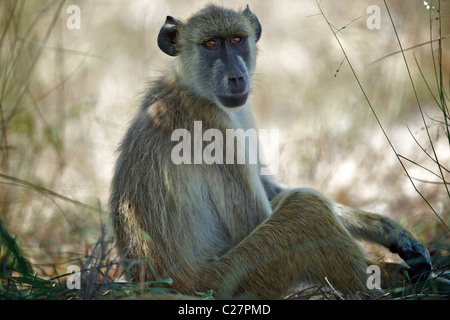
(415, 255)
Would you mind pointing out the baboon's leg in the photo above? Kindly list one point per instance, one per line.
(302, 241)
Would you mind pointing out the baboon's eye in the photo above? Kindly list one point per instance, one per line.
(211, 43)
(235, 40)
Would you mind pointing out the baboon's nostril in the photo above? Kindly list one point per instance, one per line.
(237, 84)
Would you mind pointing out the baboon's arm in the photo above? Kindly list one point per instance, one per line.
(382, 230)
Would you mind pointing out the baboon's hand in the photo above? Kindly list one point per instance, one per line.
(414, 254)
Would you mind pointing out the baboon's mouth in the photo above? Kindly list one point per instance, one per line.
(233, 101)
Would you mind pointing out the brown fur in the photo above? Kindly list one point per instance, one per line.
(223, 227)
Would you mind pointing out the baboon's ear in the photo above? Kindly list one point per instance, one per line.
(255, 22)
(167, 37)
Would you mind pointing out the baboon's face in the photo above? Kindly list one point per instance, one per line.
(224, 68)
(216, 53)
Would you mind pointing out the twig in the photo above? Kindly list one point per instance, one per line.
(334, 290)
(375, 115)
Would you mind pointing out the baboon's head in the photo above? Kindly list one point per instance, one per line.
(215, 51)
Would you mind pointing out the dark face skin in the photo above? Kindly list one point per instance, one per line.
(216, 52)
(227, 59)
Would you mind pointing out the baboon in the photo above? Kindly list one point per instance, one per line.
(225, 226)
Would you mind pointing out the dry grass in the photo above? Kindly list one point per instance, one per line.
(67, 95)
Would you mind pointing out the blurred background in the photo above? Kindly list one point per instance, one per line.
(67, 96)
